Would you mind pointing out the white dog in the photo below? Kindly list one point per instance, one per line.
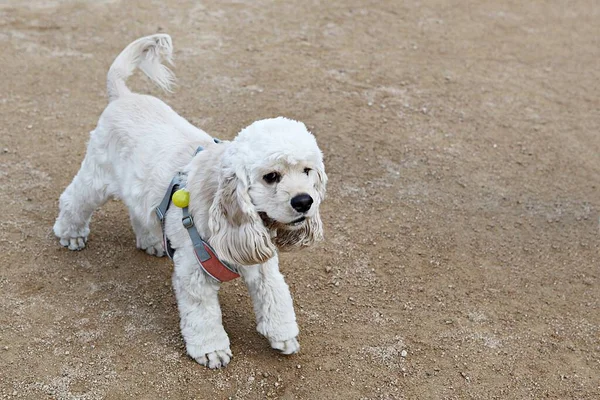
(249, 198)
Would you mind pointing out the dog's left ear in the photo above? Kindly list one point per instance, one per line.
(238, 234)
(321, 182)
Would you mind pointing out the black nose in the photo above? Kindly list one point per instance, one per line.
(302, 202)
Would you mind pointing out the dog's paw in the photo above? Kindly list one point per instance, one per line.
(286, 347)
(151, 247)
(75, 244)
(213, 360)
(156, 250)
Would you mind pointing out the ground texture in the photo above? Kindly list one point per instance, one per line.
(462, 252)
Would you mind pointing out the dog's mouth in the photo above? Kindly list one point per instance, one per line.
(270, 222)
(297, 222)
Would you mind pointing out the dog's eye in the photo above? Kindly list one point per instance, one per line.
(272, 177)
(307, 170)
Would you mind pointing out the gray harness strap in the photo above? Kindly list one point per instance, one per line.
(205, 254)
(161, 210)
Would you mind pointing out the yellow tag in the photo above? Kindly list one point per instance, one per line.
(181, 198)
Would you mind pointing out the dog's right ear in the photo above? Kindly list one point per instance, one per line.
(238, 234)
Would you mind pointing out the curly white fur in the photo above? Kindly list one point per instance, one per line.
(138, 146)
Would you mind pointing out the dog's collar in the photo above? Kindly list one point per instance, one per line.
(205, 254)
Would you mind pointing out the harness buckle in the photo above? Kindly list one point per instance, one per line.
(187, 222)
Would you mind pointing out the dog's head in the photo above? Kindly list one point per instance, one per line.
(271, 185)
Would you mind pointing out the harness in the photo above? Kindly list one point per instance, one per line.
(205, 254)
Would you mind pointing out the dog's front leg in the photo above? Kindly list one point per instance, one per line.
(273, 305)
(201, 323)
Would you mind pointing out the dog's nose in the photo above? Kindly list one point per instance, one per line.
(302, 202)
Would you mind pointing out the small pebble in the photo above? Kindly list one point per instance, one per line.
(298, 366)
(403, 353)
(328, 269)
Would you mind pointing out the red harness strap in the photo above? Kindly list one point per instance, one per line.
(205, 255)
(214, 267)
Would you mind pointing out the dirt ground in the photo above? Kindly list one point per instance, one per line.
(462, 221)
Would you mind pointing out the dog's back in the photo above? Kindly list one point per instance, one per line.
(139, 140)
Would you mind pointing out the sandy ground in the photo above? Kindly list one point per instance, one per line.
(462, 252)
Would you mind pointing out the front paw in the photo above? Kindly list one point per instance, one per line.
(283, 337)
(70, 237)
(213, 359)
(286, 347)
(151, 246)
(74, 244)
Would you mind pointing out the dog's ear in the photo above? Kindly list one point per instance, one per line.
(321, 181)
(238, 234)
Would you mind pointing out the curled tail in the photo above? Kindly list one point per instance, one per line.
(146, 54)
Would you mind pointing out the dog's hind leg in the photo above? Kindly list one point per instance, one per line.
(145, 239)
(88, 191)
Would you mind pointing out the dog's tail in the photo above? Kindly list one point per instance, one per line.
(146, 54)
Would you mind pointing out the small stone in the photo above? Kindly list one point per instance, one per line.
(337, 283)
(29, 126)
(67, 353)
(14, 393)
(265, 374)
(5, 347)
(403, 353)
(5, 150)
(298, 366)
(328, 269)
